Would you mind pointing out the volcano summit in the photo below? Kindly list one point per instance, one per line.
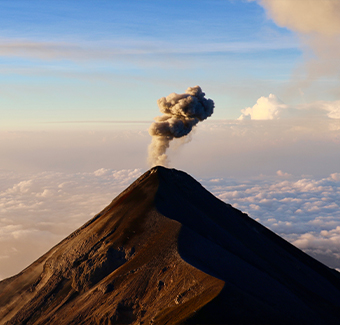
(166, 251)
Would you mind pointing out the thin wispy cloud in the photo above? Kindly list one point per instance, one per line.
(113, 50)
(100, 122)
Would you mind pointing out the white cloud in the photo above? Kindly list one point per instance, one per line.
(333, 109)
(127, 49)
(335, 177)
(38, 210)
(22, 187)
(100, 172)
(283, 174)
(305, 211)
(266, 108)
(76, 51)
(41, 208)
(272, 108)
(321, 243)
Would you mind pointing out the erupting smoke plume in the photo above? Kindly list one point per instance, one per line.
(317, 23)
(181, 113)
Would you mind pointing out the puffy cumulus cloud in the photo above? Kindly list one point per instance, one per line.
(304, 211)
(332, 109)
(101, 172)
(38, 210)
(126, 176)
(272, 108)
(119, 175)
(266, 108)
(283, 174)
(21, 187)
(335, 177)
(324, 245)
(327, 240)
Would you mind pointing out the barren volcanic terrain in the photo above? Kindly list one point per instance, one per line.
(166, 251)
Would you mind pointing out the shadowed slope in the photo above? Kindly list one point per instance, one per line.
(267, 280)
(166, 250)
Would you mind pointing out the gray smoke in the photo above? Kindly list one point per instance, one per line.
(181, 113)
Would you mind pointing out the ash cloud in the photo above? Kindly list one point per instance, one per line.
(306, 16)
(317, 24)
(181, 112)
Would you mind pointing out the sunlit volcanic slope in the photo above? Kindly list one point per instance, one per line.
(166, 251)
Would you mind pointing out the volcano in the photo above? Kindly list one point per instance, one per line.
(166, 251)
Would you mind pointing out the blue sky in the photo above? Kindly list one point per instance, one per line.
(72, 66)
(111, 60)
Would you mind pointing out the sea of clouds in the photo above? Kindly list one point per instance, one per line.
(38, 210)
(303, 211)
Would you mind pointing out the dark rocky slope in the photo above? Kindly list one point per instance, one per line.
(166, 251)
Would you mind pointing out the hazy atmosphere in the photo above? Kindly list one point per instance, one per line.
(79, 89)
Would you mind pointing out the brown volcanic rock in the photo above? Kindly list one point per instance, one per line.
(166, 251)
(122, 266)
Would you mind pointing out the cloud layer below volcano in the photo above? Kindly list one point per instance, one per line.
(296, 196)
(38, 210)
